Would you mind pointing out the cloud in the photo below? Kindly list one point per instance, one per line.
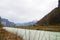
(20, 11)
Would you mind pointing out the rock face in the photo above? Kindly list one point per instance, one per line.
(53, 18)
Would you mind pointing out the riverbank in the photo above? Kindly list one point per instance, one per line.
(5, 35)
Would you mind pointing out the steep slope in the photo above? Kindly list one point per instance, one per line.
(4, 35)
(53, 18)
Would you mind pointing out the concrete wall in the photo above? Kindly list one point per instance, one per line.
(34, 34)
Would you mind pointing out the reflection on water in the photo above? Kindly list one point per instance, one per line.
(34, 34)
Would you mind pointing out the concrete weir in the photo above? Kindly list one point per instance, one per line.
(34, 34)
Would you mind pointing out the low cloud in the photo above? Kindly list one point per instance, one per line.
(20, 11)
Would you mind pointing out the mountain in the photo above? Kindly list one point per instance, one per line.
(26, 24)
(5, 22)
(53, 18)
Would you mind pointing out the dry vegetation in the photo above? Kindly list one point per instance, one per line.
(4, 35)
(45, 28)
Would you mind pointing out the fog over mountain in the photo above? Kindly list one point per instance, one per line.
(6, 22)
(26, 23)
(25, 11)
(20, 11)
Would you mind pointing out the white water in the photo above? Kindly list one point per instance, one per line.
(34, 34)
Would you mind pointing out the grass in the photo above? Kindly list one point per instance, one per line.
(4, 35)
(45, 28)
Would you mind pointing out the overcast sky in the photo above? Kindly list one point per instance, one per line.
(20, 11)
